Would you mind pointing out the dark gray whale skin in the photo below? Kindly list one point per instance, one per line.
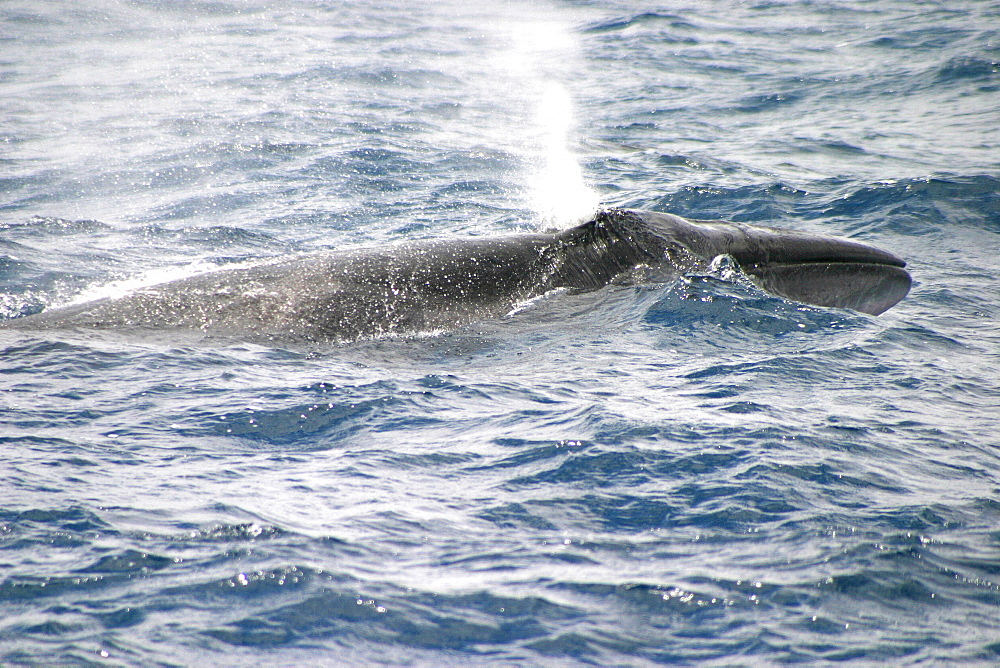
(434, 285)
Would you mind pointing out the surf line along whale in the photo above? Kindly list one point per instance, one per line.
(435, 285)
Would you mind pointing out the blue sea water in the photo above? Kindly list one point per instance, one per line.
(694, 472)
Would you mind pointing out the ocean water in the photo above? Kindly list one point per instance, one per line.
(693, 472)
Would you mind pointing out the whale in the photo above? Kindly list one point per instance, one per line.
(441, 284)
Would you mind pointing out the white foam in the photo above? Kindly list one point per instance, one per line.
(144, 280)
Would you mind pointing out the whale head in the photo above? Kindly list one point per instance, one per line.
(803, 267)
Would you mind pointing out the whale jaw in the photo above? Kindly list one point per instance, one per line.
(866, 287)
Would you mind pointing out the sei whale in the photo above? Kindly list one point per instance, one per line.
(434, 285)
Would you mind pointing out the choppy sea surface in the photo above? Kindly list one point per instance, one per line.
(692, 472)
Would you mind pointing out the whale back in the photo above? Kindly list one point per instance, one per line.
(330, 295)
